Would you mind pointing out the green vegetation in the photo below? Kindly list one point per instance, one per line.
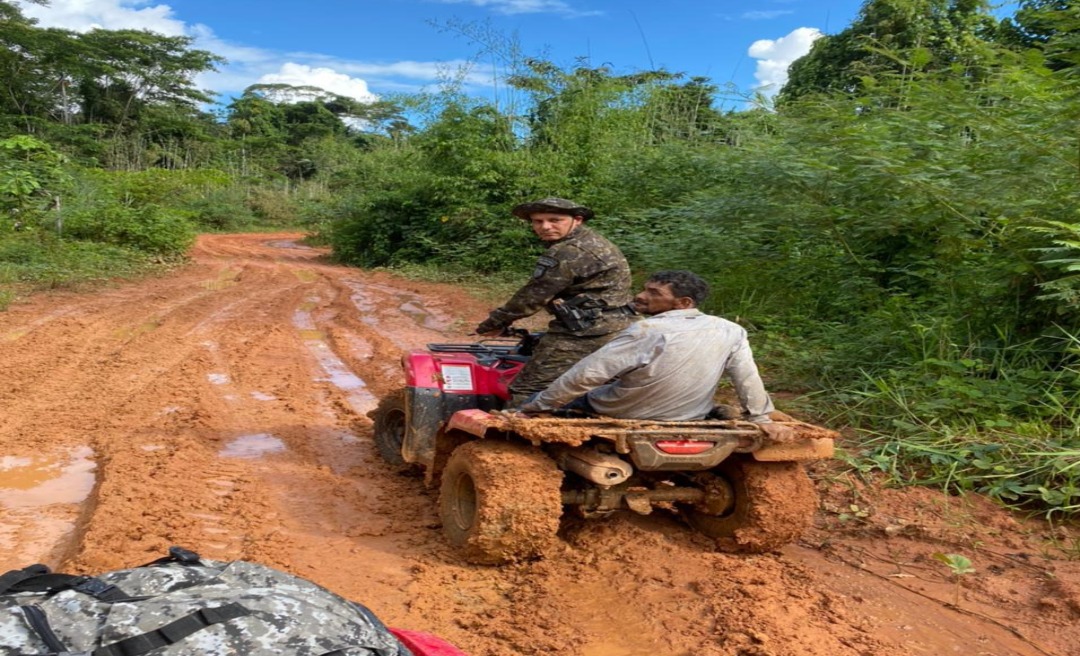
(900, 232)
(958, 566)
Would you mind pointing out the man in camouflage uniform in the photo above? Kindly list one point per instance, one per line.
(582, 279)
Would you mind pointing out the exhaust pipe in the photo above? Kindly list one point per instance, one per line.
(600, 468)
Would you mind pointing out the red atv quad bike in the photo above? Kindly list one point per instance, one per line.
(505, 479)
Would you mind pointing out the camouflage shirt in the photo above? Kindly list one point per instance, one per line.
(582, 263)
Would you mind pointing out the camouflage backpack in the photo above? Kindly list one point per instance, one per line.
(182, 605)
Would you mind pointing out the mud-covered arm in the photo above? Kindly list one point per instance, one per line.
(629, 350)
(743, 372)
(551, 275)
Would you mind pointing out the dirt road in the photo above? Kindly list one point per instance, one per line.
(222, 408)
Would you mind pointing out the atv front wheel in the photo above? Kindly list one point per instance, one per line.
(754, 507)
(389, 418)
(500, 502)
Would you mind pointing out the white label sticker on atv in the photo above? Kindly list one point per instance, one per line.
(457, 378)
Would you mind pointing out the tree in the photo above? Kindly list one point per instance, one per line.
(463, 142)
(563, 98)
(586, 116)
(285, 127)
(945, 34)
(1066, 47)
(683, 112)
(60, 84)
(308, 119)
(1034, 23)
(253, 116)
(132, 68)
(35, 68)
(1059, 24)
(31, 174)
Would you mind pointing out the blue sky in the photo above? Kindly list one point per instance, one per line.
(371, 48)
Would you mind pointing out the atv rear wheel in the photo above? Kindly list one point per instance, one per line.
(389, 430)
(754, 507)
(500, 502)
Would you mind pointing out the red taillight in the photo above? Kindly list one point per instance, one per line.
(684, 447)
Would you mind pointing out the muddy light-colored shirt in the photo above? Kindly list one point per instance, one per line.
(664, 367)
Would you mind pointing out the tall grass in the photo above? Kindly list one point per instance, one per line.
(1002, 426)
(31, 262)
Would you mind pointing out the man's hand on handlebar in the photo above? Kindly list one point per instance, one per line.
(491, 328)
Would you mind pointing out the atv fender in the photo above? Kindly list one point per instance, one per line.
(423, 419)
(474, 422)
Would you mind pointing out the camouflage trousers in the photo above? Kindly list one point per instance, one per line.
(553, 355)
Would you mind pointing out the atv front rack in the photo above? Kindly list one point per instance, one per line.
(499, 349)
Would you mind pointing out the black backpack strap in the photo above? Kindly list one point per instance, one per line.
(39, 621)
(38, 578)
(172, 632)
(177, 555)
(15, 576)
(100, 589)
(52, 583)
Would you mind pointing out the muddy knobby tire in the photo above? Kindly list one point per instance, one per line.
(389, 426)
(774, 504)
(500, 502)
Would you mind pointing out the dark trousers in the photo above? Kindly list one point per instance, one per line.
(554, 354)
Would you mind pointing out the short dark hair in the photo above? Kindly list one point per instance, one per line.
(683, 284)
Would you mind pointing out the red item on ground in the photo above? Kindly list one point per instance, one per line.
(425, 644)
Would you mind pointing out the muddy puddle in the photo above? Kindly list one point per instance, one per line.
(252, 446)
(286, 243)
(407, 303)
(415, 310)
(336, 372)
(44, 480)
(41, 498)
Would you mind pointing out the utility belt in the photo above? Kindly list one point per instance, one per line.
(581, 312)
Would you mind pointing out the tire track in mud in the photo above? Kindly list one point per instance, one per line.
(117, 345)
(329, 454)
(120, 353)
(84, 379)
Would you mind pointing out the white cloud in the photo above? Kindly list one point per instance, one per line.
(324, 78)
(247, 65)
(85, 15)
(511, 7)
(468, 72)
(775, 57)
(766, 15)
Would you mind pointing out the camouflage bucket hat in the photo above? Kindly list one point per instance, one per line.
(554, 205)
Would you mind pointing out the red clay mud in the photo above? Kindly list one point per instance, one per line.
(223, 408)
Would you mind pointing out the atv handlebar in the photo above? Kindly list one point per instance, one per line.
(515, 342)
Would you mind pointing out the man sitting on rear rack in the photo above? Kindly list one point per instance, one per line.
(665, 367)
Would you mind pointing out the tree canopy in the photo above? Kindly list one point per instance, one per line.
(893, 36)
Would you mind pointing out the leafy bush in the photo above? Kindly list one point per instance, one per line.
(221, 210)
(42, 260)
(148, 228)
(272, 206)
(156, 186)
(383, 229)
